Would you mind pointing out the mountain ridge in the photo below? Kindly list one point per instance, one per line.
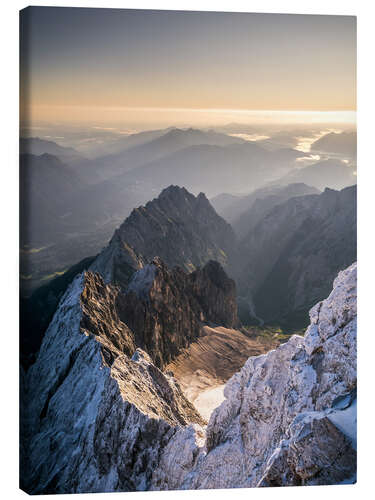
(100, 420)
(295, 251)
(180, 228)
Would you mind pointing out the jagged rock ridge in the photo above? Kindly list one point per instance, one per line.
(182, 229)
(91, 381)
(96, 419)
(116, 423)
(166, 308)
(289, 416)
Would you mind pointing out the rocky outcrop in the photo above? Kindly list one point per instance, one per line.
(97, 409)
(98, 415)
(96, 419)
(216, 294)
(166, 308)
(289, 416)
(182, 229)
(36, 311)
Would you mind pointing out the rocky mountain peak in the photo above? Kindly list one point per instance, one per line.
(175, 192)
(182, 229)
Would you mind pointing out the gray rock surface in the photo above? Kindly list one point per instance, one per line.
(100, 416)
(277, 423)
(183, 230)
(95, 419)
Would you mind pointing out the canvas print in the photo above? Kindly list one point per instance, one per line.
(188, 250)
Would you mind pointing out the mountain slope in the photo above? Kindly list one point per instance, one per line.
(111, 392)
(100, 419)
(288, 261)
(96, 412)
(334, 174)
(344, 143)
(180, 228)
(242, 212)
(37, 146)
(46, 186)
(223, 201)
(288, 418)
(36, 311)
(165, 308)
(154, 146)
(263, 204)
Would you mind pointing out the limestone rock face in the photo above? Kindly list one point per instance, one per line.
(182, 229)
(96, 419)
(216, 294)
(99, 415)
(165, 308)
(289, 415)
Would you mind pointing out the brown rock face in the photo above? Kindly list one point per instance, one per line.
(166, 308)
(216, 294)
(162, 312)
(100, 318)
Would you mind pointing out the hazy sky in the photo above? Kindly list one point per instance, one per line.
(104, 64)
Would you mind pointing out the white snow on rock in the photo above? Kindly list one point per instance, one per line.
(94, 427)
(278, 425)
(288, 417)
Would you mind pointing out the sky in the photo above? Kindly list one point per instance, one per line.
(107, 65)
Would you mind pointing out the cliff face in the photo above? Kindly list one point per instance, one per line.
(100, 416)
(95, 418)
(95, 403)
(182, 229)
(289, 416)
(166, 308)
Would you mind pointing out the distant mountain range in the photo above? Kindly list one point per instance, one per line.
(288, 260)
(207, 168)
(139, 149)
(242, 212)
(37, 146)
(344, 143)
(77, 203)
(335, 174)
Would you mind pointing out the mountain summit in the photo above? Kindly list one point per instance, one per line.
(182, 229)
